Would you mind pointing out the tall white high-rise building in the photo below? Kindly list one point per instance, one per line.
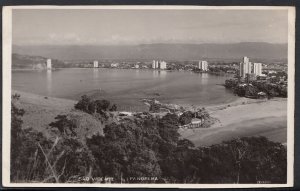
(156, 64)
(159, 65)
(163, 65)
(245, 68)
(96, 65)
(246, 59)
(203, 65)
(153, 64)
(257, 69)
(49, 64)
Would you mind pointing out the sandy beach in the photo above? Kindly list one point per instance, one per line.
(243, 117)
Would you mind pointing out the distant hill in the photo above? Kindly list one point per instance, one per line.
(32, 62)
(28, 62)
(254, 50)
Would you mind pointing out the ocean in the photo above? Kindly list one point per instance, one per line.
(126, 87)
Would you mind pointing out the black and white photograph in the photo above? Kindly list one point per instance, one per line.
(148, 96)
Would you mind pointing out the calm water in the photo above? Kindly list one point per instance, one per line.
(125, 86)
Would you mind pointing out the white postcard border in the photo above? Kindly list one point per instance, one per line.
(6, 95)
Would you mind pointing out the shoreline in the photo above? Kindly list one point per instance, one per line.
(244, 117)
(241, 117)
(145, 69)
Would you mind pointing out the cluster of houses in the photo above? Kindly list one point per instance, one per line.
(159, 110)
(195, 122)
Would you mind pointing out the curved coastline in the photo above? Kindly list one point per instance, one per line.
(242, 117)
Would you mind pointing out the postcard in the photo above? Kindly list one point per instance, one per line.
(148, 96)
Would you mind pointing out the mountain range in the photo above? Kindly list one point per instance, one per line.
(255, 50)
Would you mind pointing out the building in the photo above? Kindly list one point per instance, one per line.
(257, 69)
(49, 64)
(245, 59)
(253, 69)
(125, 113)
(163, 65)
(156, 65)
(245, 67)
(114, 65)
(153, 64)
(203, 65)
(159, 65)
(96, 65)
(195, 123)
(261, 95)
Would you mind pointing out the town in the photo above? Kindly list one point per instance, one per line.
(269, 68)
(248, 79)
(252, 81)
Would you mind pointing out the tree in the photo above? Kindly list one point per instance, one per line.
(184, 156)
(251, 91)
(144, 164)
(238, 150)
(240, 90)
(29, 164)
(83, 104)
(154, 107)
(113, 108)
(102, 105)
(95, 106)
(27, 161)
(231, 83)
(65, 126)
(282, 90)
(16, 121)
(75, 159)
(125, 151)
(202, 114)
(264, 161)
(168, 128)
(186, 118)
(16, 134)
(247, 160)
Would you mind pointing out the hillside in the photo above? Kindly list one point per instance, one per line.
(256, 50)
(28, 62)
(40, 112)
(32, 62)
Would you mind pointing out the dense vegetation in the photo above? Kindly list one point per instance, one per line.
(187, 116)
(143, 149)
(94, 106)
(223, 69)
(252, 89)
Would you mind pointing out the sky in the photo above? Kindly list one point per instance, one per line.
(120, 27)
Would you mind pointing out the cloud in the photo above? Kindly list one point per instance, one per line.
(64, 38)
